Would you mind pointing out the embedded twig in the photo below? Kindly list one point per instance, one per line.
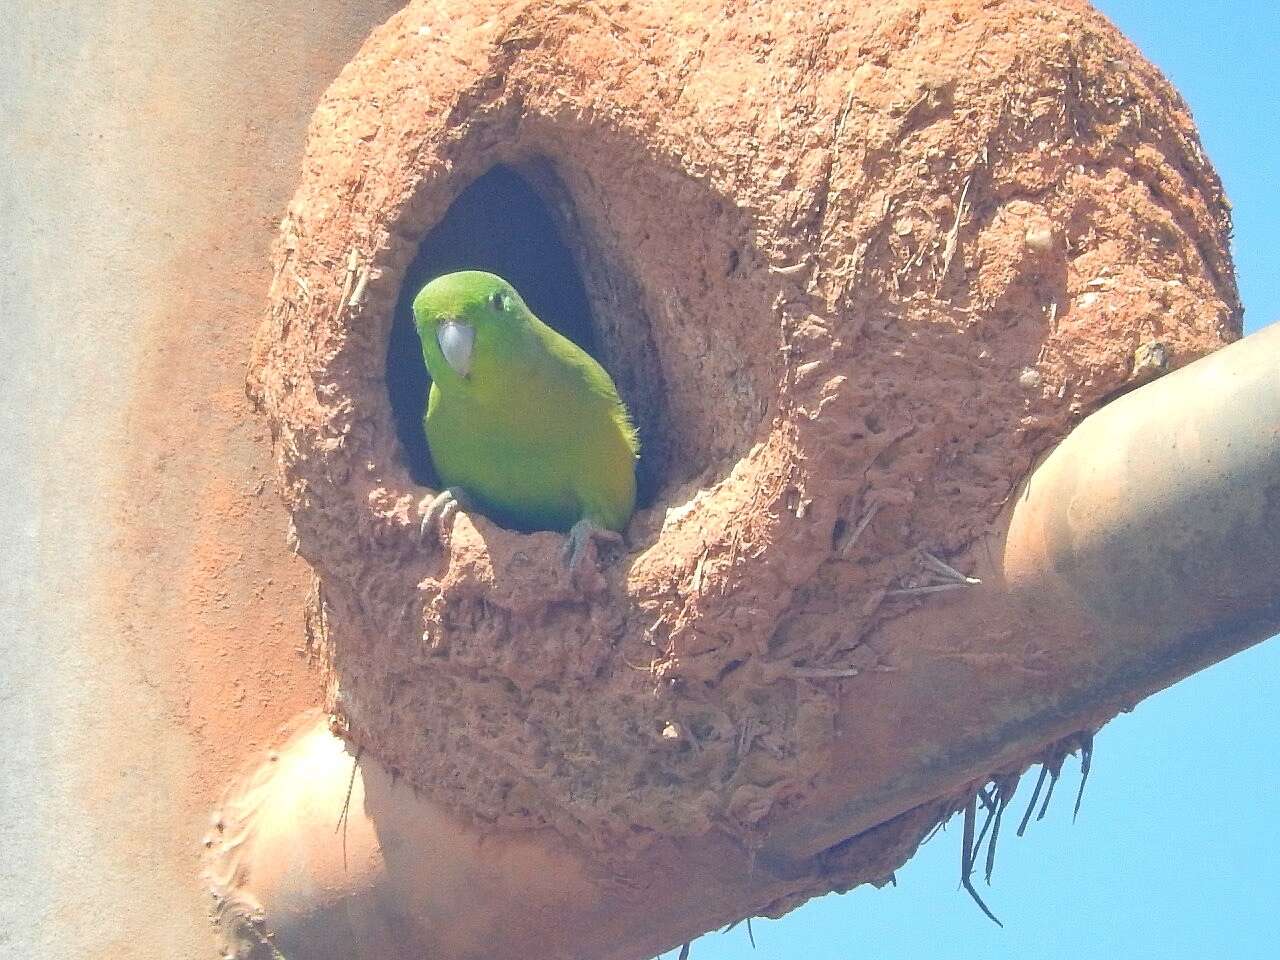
(696, 583)
(953, 236)
(995, 798)
(919, 591)
(344, 817)
(751, 934)
(966, 860)
(353, 262)
(938, 569)
(944, 569)
(357, 295)
(823, 673)
(1035, 794)
(1055, 771)
(684, 952)
(987, 796)
(865, 522)
(844, 114)
(1003, 793)
(989, 804)
(1086, 760)
(991, 845)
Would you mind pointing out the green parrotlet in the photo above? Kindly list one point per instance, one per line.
(523, 425)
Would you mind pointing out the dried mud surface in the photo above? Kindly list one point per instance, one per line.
(854, 267)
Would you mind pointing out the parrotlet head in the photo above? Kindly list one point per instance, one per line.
(465, 319)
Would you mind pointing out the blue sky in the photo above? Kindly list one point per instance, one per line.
(1177, 850)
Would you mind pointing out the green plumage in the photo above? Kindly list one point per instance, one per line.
(520, 419)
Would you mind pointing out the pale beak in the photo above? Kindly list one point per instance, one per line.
(456, 340)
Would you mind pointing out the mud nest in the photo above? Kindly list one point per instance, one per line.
(852, 266)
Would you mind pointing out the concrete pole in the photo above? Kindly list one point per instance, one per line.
(149, 607)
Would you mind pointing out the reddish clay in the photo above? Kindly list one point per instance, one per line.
(853, 270)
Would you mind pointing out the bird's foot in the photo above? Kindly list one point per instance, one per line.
(583, 557)
(438, 512)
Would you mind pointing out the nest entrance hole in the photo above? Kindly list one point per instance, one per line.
(502, 224)
(499, 224)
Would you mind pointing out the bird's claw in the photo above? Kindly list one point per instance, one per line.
(437, 514)
(582, 556)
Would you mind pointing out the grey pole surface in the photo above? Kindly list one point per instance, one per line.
(1158, 518)
(146, 151)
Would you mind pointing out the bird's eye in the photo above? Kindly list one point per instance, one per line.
(499, 300)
